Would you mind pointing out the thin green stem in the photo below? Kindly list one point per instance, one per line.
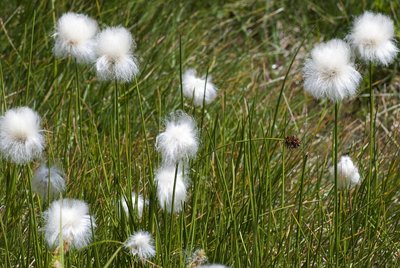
(203, 105)
(78, 112)
(117, 160)
(30, 57)
(3, 91)
(371, 143)
(336, 206)
(173, 194)
(6, 248)
(282, 214)
(33, 222)
(372, 120)
(371, 123)
(299, 211)
(180, 71)
(152, 207)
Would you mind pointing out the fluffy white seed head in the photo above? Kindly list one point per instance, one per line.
(165, 179)
(330, 73)
(135, 206)
(372, 36)
(115, 59)
(179, 141)
(199, 89)
(348, 175)
(71, 219)
(141, 244)
(21, 138)
(48, 181)
(74, 37)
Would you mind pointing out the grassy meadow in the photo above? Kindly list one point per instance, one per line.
(252, 201)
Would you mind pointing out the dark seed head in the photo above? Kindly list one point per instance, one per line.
(292, 142)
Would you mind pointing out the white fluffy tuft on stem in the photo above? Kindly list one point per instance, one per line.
(167, 195)
(21, 138)
(71, 219)
(74, 37)
(179, 142)
(48, 181)
(348, 175)
(141, 244)
(330, 73)
(372, 36)
(115, 59)
(201, 90)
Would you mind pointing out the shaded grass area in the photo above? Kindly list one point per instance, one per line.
(252, 203)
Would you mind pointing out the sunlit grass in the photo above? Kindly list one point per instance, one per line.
(252, 202)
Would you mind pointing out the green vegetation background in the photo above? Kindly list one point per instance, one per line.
(252, 203)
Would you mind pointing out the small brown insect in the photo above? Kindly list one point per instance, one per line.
(292, 142)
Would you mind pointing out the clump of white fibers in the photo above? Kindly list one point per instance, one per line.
(179, 141)
(21, 138)
(330, 73)
(141, 244)
(199, 89)
(348, 175)
(139, 206)
(115, 58)
(48, 181)
(167, 197)
(71, 219)
(372, 36)
(74, 37)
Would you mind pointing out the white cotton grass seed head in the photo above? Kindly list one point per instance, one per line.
(372, 36)
(141, 244)
(348, 175)
(165, 180)
(71, 219)
(179, 142)
(21, 138)
(74, 37)
(330, 73)
(48, 181)
(125, 202)
(115, 59)
(201, 90)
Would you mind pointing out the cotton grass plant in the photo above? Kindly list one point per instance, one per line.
(347, 173)
(48, 182)
(116, 62)
(330, 73)
(134, 204)
(171, 188)
(75, 38)
(141, 244)
(69, 224)
(21, 135)
(200, 90)
(115, 59)
(372, 36)
(179, 142)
